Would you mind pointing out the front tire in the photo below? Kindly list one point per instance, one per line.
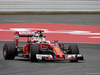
(9, 51)
(73, 50)
(34, 49)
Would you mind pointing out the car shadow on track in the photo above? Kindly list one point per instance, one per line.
(44, 61)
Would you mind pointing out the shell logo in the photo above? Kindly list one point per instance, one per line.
(56, 48)
(23, 49)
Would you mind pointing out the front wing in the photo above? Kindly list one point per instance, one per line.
(68, 57)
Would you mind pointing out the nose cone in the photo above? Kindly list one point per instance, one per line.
(58, 52)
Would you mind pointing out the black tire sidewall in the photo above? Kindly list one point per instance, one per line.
(10, 50)
(73, 49)
(34, 49)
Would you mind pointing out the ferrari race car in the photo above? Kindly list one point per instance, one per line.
(37, 48)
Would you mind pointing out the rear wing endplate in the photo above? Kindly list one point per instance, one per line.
(22, 34)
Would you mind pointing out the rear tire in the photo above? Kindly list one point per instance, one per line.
(34, 49)
(73, 50)
(9, 51)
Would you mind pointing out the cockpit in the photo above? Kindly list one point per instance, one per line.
(39, 38)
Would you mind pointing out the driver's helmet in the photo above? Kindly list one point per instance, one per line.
(38, 38)
(40, 35)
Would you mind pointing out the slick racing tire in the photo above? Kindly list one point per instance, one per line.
(73, 50)
(34, 49)
(9, 51)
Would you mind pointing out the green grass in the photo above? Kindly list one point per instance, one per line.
(45, 13)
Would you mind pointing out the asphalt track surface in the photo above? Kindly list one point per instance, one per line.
(23, 66)
(62, 19)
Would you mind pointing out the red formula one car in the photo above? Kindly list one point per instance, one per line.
(37, 48)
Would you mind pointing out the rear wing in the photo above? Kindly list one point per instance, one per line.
(22, 34)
